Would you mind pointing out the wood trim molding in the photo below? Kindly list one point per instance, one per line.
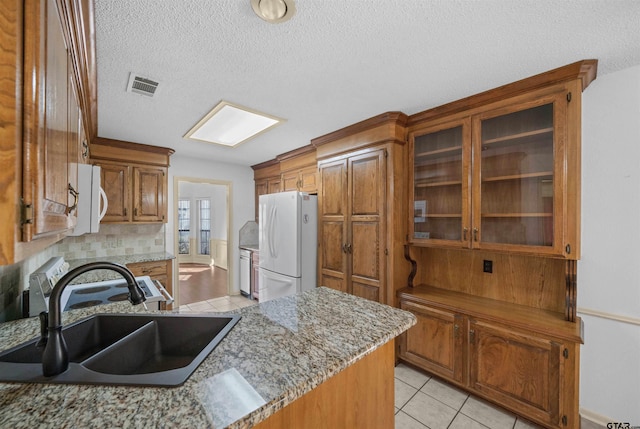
(296, 152)
(265, 164)
(117, 150)
(584, 70)
(398, 117)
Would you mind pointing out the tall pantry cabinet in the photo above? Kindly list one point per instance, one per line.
(361, 219)
(495, 233)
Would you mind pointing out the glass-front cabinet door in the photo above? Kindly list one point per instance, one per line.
(441, 156)
(516, 175)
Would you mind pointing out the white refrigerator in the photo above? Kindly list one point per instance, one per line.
(288, 236)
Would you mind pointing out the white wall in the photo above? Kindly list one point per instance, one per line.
(609, 271)
(241, 200)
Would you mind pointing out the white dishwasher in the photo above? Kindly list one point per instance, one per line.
(245, 272)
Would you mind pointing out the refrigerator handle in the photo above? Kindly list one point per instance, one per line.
(274, 226)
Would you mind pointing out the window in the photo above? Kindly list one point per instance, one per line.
(204, 225)
(184, 226)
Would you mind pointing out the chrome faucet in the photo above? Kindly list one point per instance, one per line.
(55, 359)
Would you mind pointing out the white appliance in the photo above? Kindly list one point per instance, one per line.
(42, 281)
(245, 272)
(288, 238)
(89, 195)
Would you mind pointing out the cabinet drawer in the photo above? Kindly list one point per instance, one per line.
(154, 269)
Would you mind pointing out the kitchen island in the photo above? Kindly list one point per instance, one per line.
(280, 353)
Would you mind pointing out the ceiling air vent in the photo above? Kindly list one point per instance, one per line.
(141, 85)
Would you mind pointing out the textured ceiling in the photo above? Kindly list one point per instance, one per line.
(335, 62)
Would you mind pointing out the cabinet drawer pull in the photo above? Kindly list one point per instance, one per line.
(74, 193)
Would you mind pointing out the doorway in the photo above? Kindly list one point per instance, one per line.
(201, 213)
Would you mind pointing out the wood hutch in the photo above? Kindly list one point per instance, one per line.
(494, 241)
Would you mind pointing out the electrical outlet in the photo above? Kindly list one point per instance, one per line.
(487, 266)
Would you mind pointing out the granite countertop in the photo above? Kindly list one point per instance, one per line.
(279, 351)
(252, 247)
(100, 275)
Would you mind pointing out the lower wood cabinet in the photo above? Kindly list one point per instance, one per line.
(161, 271)
(487, 348)
(518, 369)
(436, 341)
(255, 274)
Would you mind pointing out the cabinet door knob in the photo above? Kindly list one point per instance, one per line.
(464, 233)
(472, 336)
(475, 234)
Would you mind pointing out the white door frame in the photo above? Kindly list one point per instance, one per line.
(176, 186)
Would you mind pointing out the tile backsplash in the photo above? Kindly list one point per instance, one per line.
(112, 240)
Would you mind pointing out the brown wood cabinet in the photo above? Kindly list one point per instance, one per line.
(361, 217)
(51, 170)
(500, 170)
(134, 178)
(436, 342)
(299, 171)
(255, 274)
(496, 180)
(524, 359)
(267, 180)
(161, 271)
(303, 180)
(149, 194)
(47, 58)
(295, 170)
(359, 397)
(352, 223)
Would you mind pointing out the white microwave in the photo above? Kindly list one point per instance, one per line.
(90, 195)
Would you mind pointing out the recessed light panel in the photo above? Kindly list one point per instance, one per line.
(229, 125)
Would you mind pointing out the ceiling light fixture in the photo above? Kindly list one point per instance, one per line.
(274, 11)
(229, 125)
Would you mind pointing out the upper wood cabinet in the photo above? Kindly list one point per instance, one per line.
(149, 194)
(295, 170)
(298, 170)
(500, 171)
(134, 178)
(267, 180)
(361, 200)
(47, 114)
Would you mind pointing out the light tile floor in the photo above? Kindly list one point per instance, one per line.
(226, 303)
(426, 402)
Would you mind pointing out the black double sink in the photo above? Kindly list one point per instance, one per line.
(125, 349)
